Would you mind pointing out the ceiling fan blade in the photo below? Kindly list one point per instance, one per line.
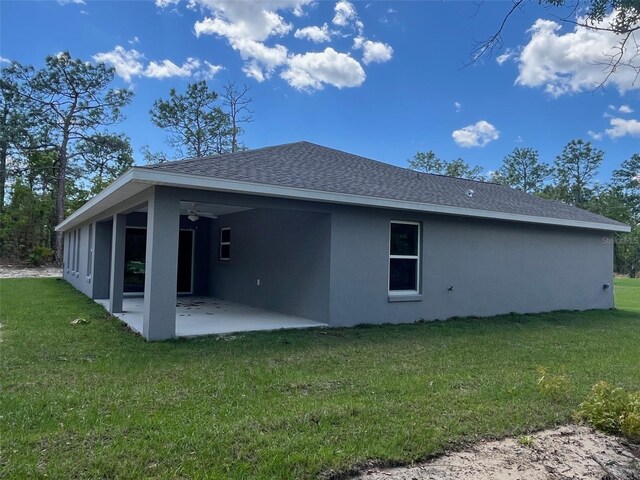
(207, 215)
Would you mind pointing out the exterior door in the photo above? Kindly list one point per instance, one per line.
(135, 257)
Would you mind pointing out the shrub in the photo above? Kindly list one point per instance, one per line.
(554, 385)
(40, 256)
(630, 418)
(612, 410)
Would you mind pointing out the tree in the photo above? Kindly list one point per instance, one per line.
(236, 102)
(29, 217)
(14, 125)
(70, 100)
(153, 157)
(428, 162)
(624, 23)
(522, 170)
(575, 168)
(105, 157)
(627, 178)
(196, 126)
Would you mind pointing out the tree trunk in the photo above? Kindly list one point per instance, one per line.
(3, 174)
(4, 151)
(60, 196)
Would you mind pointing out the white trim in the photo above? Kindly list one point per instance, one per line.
(138, 175)
(417, 257)
(116, 185)
(90, 246)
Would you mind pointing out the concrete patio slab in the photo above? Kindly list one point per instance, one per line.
(212, 316)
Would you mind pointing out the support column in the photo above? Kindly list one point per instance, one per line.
(116, 283)
(161, 268)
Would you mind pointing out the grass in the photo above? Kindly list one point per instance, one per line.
(94, 401)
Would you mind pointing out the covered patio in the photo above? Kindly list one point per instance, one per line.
(212, 316)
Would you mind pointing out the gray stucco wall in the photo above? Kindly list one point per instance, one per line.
(330, 263)
(287, 250)
(494, 267)
(79, 277)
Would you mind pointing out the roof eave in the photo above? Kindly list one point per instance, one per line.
(181, 180)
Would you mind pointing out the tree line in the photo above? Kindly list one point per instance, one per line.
(59, 144)
(570, 179)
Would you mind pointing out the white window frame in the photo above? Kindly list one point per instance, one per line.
(67, 248)
(220, 257)
(78, 252)
(405, 257)
(73, 252)
(90, 252)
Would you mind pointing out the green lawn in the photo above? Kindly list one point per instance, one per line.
(94, 401)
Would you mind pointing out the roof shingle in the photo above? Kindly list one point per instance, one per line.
(314, 167)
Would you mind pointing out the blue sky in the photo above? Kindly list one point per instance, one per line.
(380, 79)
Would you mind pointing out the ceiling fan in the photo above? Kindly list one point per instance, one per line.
(194, 214)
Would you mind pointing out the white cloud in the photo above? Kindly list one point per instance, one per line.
(166, 3)
(476, 135)
(168, 69)
(315, 34)
(246, 27)
(507, 55)
(250, 28)
(4, 60)
(212, 70)
(313, 70)
(268, 24)
(625, 109)
(128, 63)
(345, 12)
(574, 61)
(621, 127)
(66, 2)
(376, 52)
(595, 135)
(458, 106)
(252, 70)
(134, 41)
(131, 63)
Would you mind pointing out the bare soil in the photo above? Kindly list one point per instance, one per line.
(568, 452)
(16, 270)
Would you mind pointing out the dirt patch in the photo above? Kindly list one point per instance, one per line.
(568, 452)
(12, 270)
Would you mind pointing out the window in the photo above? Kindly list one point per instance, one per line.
(73, 251)
(404, 257)
(90, 251)
(78, 252)
(225, 243)
(67, 240)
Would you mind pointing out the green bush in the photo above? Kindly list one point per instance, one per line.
(612, 410)
(40, 256)
(630, 419)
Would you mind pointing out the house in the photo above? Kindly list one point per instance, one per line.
(323, 236)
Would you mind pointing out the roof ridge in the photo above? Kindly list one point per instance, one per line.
(221, 155)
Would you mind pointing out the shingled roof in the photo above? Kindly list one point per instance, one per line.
(312, 167)
(308, 172)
